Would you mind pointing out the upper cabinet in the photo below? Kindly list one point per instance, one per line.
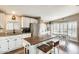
(13, 24)
(6, 22)
(34, 20)
(25, 21)
(2, 22)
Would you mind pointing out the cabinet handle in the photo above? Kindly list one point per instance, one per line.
(15, 39)
(7, 40)
(0, 46)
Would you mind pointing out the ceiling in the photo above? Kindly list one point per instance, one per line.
(47, 12)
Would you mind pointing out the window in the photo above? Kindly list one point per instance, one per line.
(65, 29)
(69, 28)
(72, 29)
(13, 25)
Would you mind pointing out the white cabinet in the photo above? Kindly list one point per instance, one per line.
(14, 43)
(25, 22)
(13, 25)
(11, 42)
(10, 24)
(33, 20)
(3, 46)
(2, 21)
(18, 43)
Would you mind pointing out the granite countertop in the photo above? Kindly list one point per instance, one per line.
(36, 40)
(10, 34)
(45, 48)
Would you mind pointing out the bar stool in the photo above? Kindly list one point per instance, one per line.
(56, 44)
(51, 44)
(26, 50)
(45, 49)
(26, 47)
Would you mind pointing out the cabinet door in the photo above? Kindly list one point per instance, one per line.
(25, 22)
(18, 43)
(11, 44)
(3, 46)
(2, 21)
(33, 20)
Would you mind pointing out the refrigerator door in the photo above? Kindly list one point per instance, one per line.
(34, 29)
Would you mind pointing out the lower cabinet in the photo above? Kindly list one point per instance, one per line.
(14, 43)
(11, 43)
(18, 43)
(3, 46)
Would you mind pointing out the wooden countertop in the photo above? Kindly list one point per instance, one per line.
(36, 40)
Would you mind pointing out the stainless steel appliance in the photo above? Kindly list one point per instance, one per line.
(34, 29)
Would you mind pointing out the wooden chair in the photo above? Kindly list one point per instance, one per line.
(51, 43)
(45, 49)
(26, 47)
(56, 45)
(26, 50)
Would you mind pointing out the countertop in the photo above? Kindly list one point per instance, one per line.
(10, 34)
(45, 48)
(36, 40)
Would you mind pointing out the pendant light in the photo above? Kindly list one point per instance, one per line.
(13, 17)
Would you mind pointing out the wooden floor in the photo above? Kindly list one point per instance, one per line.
(17, 51)
(70, 48)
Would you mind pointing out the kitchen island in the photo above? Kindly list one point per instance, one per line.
(32, 43)
(10, 41)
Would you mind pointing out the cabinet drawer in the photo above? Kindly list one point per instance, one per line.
(12, 45)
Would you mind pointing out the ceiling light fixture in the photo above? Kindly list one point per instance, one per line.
(13, 17)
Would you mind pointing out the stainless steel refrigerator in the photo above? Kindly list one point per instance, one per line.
(34, 29)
